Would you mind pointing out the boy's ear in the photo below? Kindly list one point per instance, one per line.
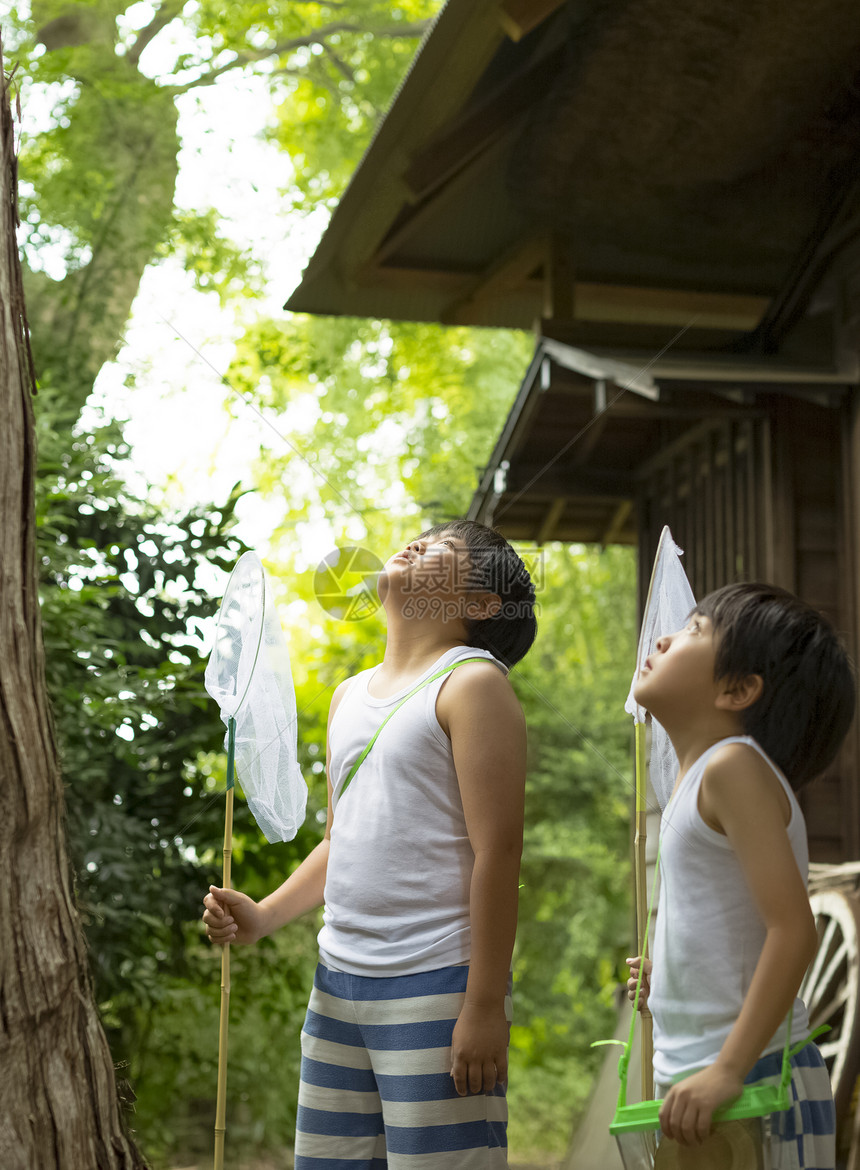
(741, 693)
(482, 606)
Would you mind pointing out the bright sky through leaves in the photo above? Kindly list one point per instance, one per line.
(185, 442)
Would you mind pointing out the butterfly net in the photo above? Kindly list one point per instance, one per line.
(249, 676)
(670, 600)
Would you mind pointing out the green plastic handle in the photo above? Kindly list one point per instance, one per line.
(231, 752)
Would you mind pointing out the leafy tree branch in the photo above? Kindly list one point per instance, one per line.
(103, 175)
(320, 38)
(168, 12)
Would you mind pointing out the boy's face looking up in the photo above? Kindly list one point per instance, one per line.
(678, 677)
(435, 563)
(435, 569)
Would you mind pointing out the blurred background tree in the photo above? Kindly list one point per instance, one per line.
(381, 429)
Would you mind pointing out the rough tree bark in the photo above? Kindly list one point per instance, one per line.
(58, 1106)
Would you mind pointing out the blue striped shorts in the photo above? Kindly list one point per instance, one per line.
(376, 1090)
(804, 1136)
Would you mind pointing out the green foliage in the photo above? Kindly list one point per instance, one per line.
(120, 601)
(215, 262)
(393, 412)
(98, 183)
(126, 592)
(575, 900)
(326, 119)
(114, 135)
(178, 1063)
(98, 189)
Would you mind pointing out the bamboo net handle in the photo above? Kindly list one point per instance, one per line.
(639, 843)
(221, 1095)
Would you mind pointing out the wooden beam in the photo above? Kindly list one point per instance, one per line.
(668, 306)
(468, 136)
(837, 226)
(597, 303)
(512, 268)
(587, 441)
(554, 480)
(617, 523)
(687, 364)
(411, 223)
(550, 520)
(616, 337)
(519, 17)
(568, 385)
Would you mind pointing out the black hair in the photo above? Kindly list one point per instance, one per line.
(496, 568)
(808, 697)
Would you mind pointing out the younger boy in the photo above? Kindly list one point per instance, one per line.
(404, 1049)
(756, 694)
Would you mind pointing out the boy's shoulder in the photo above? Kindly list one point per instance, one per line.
(481, 688)
(740, 780)
(740, 759)
(477, 672)
(340, 690)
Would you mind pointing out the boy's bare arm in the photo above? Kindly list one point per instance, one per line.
(742, 797)
(232, 916)
(483, 717)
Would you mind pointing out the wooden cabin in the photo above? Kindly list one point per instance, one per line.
(753, 478)
(669, 197)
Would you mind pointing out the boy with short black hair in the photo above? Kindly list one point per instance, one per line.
(756, 694)
(404, 1049)
(495, 567)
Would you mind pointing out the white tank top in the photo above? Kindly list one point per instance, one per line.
(708, 933)
(400, 861)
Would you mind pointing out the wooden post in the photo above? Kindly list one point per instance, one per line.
(558, 280)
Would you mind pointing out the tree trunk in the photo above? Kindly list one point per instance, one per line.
(58, 1107)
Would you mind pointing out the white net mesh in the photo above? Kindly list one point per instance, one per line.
(249, 676)
(670, 600)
